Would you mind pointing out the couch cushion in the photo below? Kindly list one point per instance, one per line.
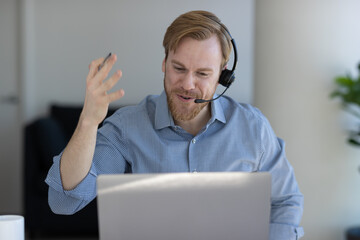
(67, 116)
(50, 140)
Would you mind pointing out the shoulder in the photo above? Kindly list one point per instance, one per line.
(241, 111)
(249, 121)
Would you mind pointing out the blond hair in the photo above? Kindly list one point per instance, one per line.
(199, 25)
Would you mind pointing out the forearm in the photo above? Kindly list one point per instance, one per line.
(77, 157)
(78, 154)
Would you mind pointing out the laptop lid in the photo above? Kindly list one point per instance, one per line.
(200, 206)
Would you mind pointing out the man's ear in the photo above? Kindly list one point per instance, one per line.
(163, 65)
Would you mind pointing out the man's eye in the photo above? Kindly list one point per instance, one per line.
(179, 69)
(202, 74)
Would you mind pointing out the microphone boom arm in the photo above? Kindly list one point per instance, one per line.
(203, 100)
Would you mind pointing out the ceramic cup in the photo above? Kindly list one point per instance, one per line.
(12, 227)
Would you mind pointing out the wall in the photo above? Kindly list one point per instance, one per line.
(47, 45)
(300, 47)
(10, 131)
(63, 37)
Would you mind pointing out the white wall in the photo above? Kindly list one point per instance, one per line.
(62, 37)
(300, 47)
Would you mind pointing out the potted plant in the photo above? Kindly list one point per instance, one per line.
(348, 90)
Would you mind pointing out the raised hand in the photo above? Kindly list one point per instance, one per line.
(97, 98)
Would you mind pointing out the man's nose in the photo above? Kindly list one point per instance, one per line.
(189, 81)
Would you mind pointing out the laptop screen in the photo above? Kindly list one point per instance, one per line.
(228, 205)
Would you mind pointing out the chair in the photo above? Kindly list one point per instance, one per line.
(44, 138)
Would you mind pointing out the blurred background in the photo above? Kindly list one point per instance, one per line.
(289, 54)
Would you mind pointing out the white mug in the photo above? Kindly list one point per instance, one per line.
(12, 227)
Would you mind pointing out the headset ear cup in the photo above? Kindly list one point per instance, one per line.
(226, 78)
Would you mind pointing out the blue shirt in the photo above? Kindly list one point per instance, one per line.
(144, 139)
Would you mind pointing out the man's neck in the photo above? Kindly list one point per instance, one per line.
(196, 124)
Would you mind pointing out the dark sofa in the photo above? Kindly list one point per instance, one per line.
(43, 139)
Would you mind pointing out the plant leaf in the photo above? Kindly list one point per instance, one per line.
(344, 81)
(353, 142)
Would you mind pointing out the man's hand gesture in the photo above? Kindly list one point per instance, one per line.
(97, 98)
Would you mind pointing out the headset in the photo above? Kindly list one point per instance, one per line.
(227, 77)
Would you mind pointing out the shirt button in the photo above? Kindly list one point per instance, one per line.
(193, 141)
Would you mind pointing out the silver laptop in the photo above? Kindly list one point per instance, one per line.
(186, 206)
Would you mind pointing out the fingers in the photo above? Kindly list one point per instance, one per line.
(93, 67)
(102, 74)
(110, 83)
(109, 62)
(99, 76)
(115, 95)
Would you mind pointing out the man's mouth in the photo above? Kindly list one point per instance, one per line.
(185, 98)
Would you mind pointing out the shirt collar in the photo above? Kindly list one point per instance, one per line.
(164, 119)
(163, 116)
(217, 111)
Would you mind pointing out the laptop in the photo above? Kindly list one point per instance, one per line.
(186, 206)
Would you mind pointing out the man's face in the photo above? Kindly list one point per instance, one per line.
(191, 72)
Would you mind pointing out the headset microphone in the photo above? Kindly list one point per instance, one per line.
(203, 100)
(227, 77)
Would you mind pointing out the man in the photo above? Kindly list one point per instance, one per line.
(172, 133)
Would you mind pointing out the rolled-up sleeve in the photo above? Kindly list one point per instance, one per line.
(286, 198)
(68, 202)
(283, 231)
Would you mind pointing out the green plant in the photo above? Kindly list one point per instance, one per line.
(348, 90)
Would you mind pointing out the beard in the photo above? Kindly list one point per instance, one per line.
(181, 111)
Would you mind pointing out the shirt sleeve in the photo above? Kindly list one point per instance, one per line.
(282, 231)
(286, 198)
(68, 202)
(107, 159)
